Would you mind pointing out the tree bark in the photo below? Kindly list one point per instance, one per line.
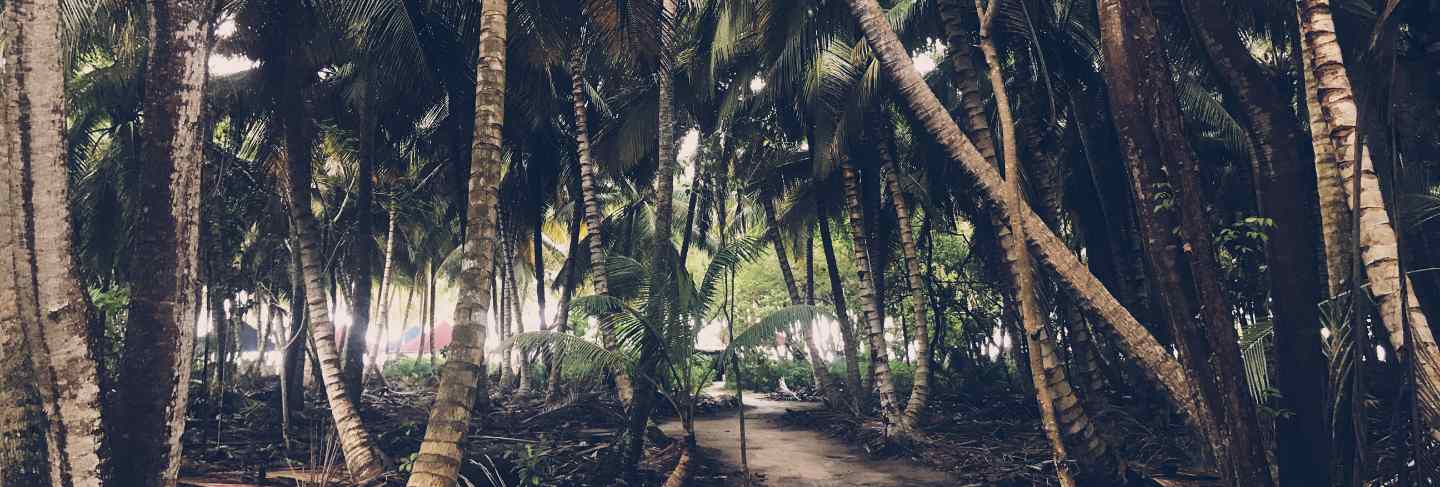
(54, 311)
(387, 292)
(897, 66)
(1149, 123)
(782, 259)
(153, 387)
(562, 309)
(522, 373)
(361, 457)
(1399, 309)
(438, 462)
(354, 349)
(292, 367)
(23, 449)
(879, 352)
(842, 314)
(919, 298)
(1303, 457)
(1081, 455)
(593, 216)
(1334, 210)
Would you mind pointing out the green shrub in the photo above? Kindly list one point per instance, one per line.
(410, 368)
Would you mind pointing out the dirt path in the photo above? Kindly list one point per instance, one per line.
(788, 456)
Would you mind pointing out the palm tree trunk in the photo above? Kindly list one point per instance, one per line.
(817, 361)
(23, 458)
(292, 364)
(644, 394)
(405, 317)
(847, 330)
(267, 314)
(975, 123)
(919, 298)
(429, 314)
(153, 387)
(879, 352)
(1083, 455)
(361, 457)
(354, 349)
(387, 291)
(500, 302)
(517, 316)
(54, 309)
(1131, 42)
(1398, 307)
(1334, 211)
(1303, 458)
(463, 378)
(562, 309)
(593, 217)
(1139, 343)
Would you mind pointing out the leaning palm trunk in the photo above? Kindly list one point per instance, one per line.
(817, 363)
(1082, 458)
(975, 122)
(1379, 250)
(153, 387)
(387, 283)
(562, 309)
(875, 328)
(919, 302)
(593, 217)
(52, 307)
(847, 331)
(1071, 273)
(361, 457)
(440, 457)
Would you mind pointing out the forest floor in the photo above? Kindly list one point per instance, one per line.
(520, 441)
(784, 454)
(990, 438)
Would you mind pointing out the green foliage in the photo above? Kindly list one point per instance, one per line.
(763, 374)
(416, 369)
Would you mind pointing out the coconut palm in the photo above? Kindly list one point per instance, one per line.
(153, 385)
(440, 455)
(897, 67)
(1399, 308)
(54, 311)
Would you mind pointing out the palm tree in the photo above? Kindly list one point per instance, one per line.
(1130, 40)
(817, 362)
(673, 339)
(361, 457)
(463, 377)
(897, 66)
(593, 215)
(919, 302)
(870, 303)
(54, 310)
(23, 456)
(153, 388)
(1067, 423)
(1294, 273)
(1399, 309)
